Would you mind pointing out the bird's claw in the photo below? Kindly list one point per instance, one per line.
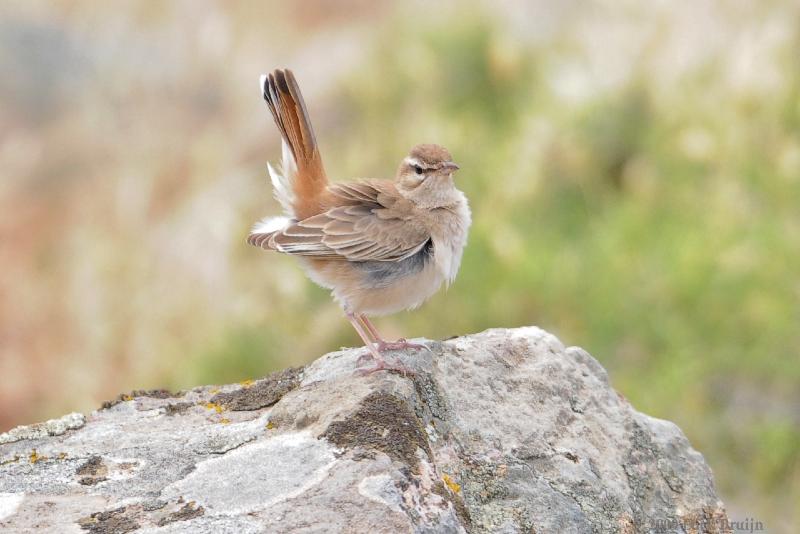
(364, 358)
(383, 365)
(400, 344)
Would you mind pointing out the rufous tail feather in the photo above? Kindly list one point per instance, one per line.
(302, 189)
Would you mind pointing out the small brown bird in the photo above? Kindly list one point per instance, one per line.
(381, 246)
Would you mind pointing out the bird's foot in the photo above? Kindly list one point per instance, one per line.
(383, 365)
(400, 344)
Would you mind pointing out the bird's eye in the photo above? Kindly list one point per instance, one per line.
(417, 169)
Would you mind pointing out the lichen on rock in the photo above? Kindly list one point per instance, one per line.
(385, 423)
(261, 393)
(53, 427)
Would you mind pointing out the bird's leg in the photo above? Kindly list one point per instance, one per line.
(364, 336)
(383, 345)
(380, 363)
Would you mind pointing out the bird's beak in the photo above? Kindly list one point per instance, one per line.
(450, 166)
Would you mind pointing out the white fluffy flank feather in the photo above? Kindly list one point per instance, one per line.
(283, 179)
(267, 225)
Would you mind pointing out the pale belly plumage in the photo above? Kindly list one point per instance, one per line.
(379, 288)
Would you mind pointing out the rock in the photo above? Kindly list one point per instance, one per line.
(53, 427)
(503, 431)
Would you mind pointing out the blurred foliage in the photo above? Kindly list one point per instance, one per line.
(634, 174)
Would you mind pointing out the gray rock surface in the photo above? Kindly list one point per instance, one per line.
(503, 431)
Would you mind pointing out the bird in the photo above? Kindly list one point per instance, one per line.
(380, 245)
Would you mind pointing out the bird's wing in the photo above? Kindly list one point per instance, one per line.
(366, 223)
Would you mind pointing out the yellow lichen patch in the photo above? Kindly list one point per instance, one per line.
(452, 484)
(127, 398)
(214, 406)
(246, 383)
(214, 391)
(270, 425)
(35, 457)
(62, 455)
(225, 421)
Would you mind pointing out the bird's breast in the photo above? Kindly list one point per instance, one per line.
(449, 235)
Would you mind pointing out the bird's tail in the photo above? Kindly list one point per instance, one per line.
(301, 181)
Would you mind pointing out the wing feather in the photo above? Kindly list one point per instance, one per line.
(359, 228)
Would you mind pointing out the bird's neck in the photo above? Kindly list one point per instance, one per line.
(441, 194)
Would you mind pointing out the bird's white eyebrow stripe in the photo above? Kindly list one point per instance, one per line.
(414, 161)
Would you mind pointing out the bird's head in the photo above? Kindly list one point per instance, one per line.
(425, 176)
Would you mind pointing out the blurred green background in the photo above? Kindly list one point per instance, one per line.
(633, 168)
